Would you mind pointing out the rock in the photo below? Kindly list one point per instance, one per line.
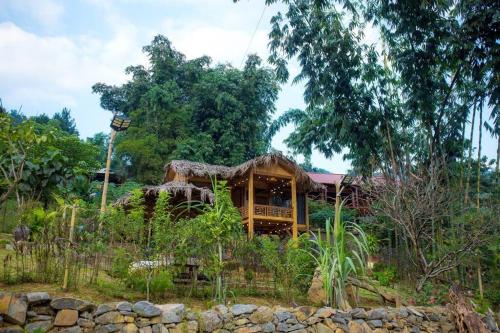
(85, 323)
(146, 329)
(108, 328)
(129, 328)
(68, 303)
(13, 308)
(112, 317)
(302, 313)
(359, 313)
(171, 313)
(380, 330)
(241, 321)
(41, 318)
(251, 329)
(192, 326)
(66, 317)
(313, 320)
(267, 327)
(299, 331)
(124, 306)
(375, 323)
(38, 297)
(222, 309)
(328, 322)
(239, 309)
(159, 328)
(324, 312)
(282, 327)
(322, 328)
(74, 329)
(142, 322)
(355, 327)
(103, 308)
(414, 311)
(296, 327)
(283, 315)
(316, 293)
(146, 309)
(490, 323)
(377, 314)
(38, 326)
(403, 312)
(263, 314)
(210, 321)
(12, 329)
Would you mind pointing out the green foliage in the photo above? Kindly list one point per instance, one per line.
(217, 227)
(188, 109)
(39, 160)
(384, 274)
(120, 264)
(289, 262)
(432, 294)
(410, 98)
(320, 211)
(338, 256)
(161, 281)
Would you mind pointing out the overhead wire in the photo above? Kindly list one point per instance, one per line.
(253, 35)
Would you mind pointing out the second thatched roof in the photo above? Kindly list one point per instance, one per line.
(189, 169)
(186, 190)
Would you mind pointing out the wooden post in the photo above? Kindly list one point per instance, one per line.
(307, 211)
(250, 205)
(294, 209)
(71, 232)
(106, 174)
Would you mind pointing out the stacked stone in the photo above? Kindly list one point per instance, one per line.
(38, 312)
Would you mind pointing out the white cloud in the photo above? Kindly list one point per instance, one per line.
(46, 12)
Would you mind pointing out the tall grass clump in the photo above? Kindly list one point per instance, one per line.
(339, 255)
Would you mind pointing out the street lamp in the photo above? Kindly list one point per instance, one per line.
(119, 123)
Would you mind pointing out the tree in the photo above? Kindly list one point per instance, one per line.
(403, 104)
(219, 225)
(39, 160)
(188, 109)
(418, 206)
(65, 122)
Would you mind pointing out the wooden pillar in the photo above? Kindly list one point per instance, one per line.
(250, 205)
(294, 208)
(307, 211)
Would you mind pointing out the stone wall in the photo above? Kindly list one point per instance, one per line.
(38, 312)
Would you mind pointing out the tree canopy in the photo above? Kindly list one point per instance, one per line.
(437, 62)
(190, 109)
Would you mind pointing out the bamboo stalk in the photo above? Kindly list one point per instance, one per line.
(66, 264)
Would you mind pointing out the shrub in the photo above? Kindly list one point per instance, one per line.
(121, 263)
(161, 281)
(384, 274)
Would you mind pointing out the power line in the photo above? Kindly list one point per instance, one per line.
(253, 35)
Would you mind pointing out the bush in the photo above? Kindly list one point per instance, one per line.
(161, 281)
(121, 263)
(384, 274)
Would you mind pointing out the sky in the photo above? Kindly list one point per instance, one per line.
(53, 51)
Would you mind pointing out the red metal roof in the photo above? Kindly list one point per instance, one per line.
(326, 178)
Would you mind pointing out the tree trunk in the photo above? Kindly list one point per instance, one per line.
(469, 162)
(479, 279)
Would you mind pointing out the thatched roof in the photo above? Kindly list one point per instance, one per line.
(186, 189)
(190, 169)
(174, 188)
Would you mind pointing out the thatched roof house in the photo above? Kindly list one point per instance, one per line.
(184, 169)
(270, 191)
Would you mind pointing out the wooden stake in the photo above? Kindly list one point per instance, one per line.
(66, 264)
(294, 209)
(250, 205)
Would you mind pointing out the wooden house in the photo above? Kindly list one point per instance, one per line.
(270, 191)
